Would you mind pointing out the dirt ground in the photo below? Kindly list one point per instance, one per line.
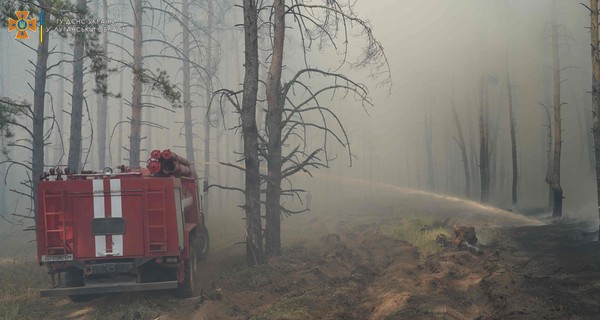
(354, 265)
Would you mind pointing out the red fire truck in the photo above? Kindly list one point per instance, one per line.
(138, 229)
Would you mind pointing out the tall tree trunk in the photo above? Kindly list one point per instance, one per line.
(3, 73)
(37, 157)
(187, 101)
(59, 146)
(75, 140)
(238, 73)
(208, 96)
(219, 134)
(273, 124)
(473, 151)
(429, 150)
(513, 141)
(463, 151)
(148, 131)
(136, 95)
(555, 182)
(484, 164)
(493, 142)
(595, 42)
(589, 123)
(254, 249)
(101, 99)
(121, 88)
(549, 165)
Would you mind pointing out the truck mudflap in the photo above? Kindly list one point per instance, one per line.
(109, 288)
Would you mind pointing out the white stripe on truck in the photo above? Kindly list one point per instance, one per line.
(116, 205)
(98, 196)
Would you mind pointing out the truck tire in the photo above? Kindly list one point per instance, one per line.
(190, 268)
(204, 243)
(74, 278)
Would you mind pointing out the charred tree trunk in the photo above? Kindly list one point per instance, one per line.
(254, 249)
(275, 105)
(238, 73)
(596, 92)
(463, 151)
(557, 104)
(37, 157)
(513, 141)
(493, 142)
(208, 94)
(429, 150)
(102, 100)
(484, 163)
(589, 123)
(187, 102)
(549, 155)
(473, 151)
(75, 140)
(136, 95)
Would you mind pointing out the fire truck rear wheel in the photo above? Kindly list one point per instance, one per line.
(190, 282)
(204, 243)
(74, 278)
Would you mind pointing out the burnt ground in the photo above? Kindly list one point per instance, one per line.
(357, 266)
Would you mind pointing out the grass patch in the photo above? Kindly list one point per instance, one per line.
(297, 308)
(20, 281)
(421, 233)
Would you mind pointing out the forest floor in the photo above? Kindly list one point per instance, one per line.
(368, 260)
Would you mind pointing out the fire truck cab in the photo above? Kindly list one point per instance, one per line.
(104, 232)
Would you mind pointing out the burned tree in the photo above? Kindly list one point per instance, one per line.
(250, 136)
(136, 95)
(428, 127)
(77, 97)
(463, 149)
(554, 179)
(187, 99)
(595, 45)
(513, 141)
(254, 249)
(549, 160)
(101, 97)
(157, 81)
(484, 154)
(273, 121)
(208, 96)
(35, 114)
(323, 23)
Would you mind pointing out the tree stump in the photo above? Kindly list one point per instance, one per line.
(464, 234)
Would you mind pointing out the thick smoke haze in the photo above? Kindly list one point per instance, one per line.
(438, 52)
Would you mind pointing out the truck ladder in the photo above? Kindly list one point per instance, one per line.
(58, 214)
(158, 216)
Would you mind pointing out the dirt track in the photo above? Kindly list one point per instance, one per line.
(352, 266)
